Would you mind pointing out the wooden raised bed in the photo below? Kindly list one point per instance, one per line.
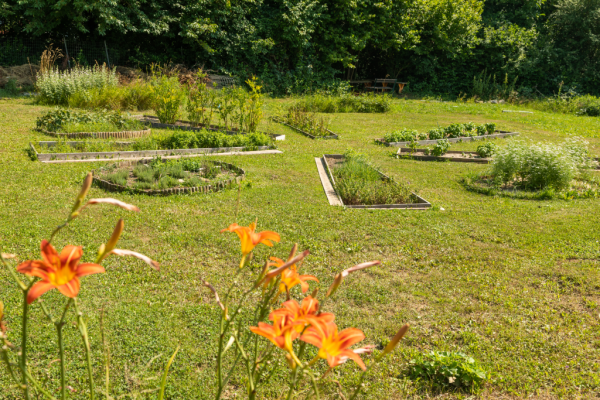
(500, 134)
(241, 174)
(328, 183)
(143, 154)
(330, 136)
(99, 135)
(452, 156)
(188, 126)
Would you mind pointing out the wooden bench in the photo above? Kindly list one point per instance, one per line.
(383, 85)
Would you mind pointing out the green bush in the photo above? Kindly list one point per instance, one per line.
(11, 87)
(55, 87)
(447, 370)
(451, 131)
(345, 103)
(540, 166)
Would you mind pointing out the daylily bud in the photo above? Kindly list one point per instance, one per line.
(335, 285)
(105, 249)
(314, 293)
(392, 344)
(87, 183)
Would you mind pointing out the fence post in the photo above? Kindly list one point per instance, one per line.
(67, 51)
(107, 59)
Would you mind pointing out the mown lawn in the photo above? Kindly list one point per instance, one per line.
(513, 283)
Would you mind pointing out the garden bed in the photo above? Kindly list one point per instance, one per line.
(188, 126)
(330, 136)
(142, 154)
(205, 177)
(452, 156)
(500, 134)
(326, 167)
(99, 135)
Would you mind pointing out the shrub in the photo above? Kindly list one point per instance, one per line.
(11, 87)
(540, 166)
(436, 133)
(447, 370)
(201, 101)
(344, 103)
(486, 150)
(55, 87)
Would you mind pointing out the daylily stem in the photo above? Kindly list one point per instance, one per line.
(7, 361)
(86, 342)
(38, 386)
(14, 274)
(61, 348)
(23, 360)
(294, 374)
(359, 387)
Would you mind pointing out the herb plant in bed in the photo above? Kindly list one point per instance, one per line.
(359, 185)
(159, 176)
(67, 123)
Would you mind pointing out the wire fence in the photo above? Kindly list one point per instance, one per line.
(19, 51)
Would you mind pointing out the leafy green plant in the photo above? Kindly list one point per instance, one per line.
(486, 150)
(440, 148)
(11, 87)
(485, 87)
(135, 95)
(404, 135)
(201, 101)
(448, 370)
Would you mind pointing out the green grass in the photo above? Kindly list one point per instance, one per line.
(512, 283)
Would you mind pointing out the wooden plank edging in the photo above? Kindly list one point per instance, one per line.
(331, 134)
(500, 135)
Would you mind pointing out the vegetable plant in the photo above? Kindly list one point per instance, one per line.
(448, 370)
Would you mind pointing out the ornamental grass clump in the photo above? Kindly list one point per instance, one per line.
(61, 271)
(358, 183)
(542, 165)
(54, 87)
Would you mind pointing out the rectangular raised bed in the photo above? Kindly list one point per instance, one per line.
(143, 154)
(188, 126)
(99, 135)
(328, 183)
(420, 155)
(500, 134)
(331, 134)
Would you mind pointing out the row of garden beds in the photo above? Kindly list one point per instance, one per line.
(500, 134)
(142, 154)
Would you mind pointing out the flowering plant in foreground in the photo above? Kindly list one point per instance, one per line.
(61, 271)
(291, 327)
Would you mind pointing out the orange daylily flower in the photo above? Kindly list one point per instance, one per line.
(334, 346)
(303, 314)
(61, 271)
(250, 239)
(290, 276)
(281, 333)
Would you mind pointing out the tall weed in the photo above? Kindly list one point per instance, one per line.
(55, 87)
